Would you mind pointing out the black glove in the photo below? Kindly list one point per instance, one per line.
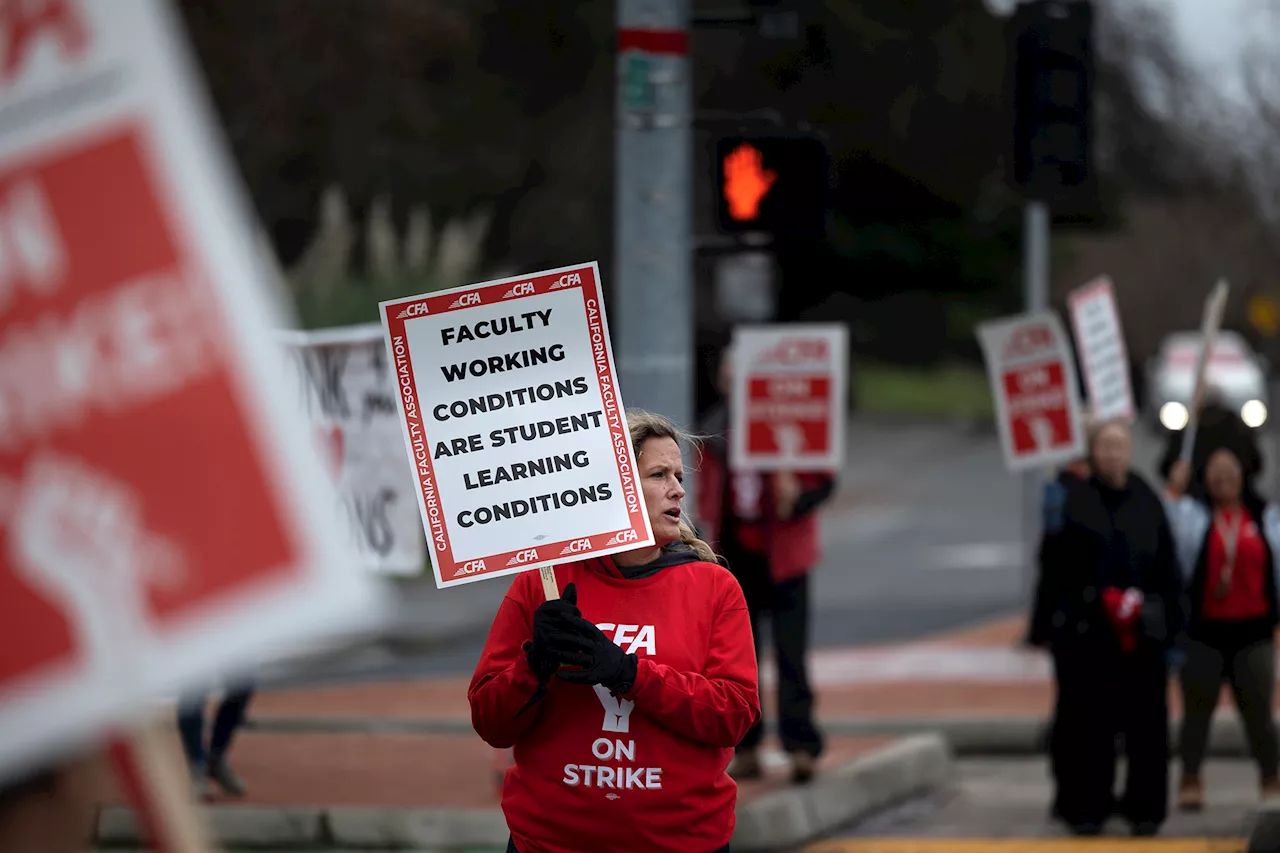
(601, 660)
(551, 623)
(552, 629)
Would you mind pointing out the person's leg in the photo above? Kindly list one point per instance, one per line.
(230, 717)
(752, 573)
(1143, 698)
(1253, 676)
(800, 735)
(1201, 684)
(1084, 744)
(191, 730)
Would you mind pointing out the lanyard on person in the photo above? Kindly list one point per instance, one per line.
(1230, 543)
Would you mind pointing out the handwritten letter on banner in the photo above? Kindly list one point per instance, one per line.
(346, 387)
(513, 423)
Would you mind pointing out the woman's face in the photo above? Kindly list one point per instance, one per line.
(1222, 477)
(662, 477)
(1113, 453)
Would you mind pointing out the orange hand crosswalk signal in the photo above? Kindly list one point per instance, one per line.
(773, 184)
(746, 182)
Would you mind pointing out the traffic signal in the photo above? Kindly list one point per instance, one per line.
(772, 184)
(1053, 96)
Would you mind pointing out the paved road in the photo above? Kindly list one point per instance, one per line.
(1000, 805)
(923, 537)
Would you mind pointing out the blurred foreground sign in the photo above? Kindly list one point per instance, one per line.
(513, 423)
(164, 515)
(345, 386)
(789, 400)
(1033, 383)
(1104, 358)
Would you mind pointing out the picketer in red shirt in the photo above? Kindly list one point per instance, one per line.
(636, 761)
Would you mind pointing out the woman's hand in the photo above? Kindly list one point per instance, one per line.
(552, 628)
(1179, 478)
(600, 659)
(786, 491)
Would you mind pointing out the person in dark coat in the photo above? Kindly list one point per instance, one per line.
(1220, 427)
(1053, 506)
(1112, 576)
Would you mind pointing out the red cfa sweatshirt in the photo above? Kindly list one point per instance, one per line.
(644, 771)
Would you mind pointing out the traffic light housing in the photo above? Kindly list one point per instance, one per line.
(1053, 97)
(772, 184)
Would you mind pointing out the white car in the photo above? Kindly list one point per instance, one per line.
(1233, 367)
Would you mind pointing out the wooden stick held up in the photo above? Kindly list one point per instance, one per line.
(153, 774)
(549, 585)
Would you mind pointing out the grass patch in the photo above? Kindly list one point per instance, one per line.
(955, 391)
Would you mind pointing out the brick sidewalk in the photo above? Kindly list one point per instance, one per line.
(410, 770)
(455, 769)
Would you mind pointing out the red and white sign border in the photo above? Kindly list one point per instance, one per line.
(1103, 285)
(837, 335)
(397, 312)
(995, 329)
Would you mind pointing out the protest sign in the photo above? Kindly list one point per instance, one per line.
(1033, 383)
(513, 423)
(345, 386)
(166, 517)
(789, 399)
(1095, 319)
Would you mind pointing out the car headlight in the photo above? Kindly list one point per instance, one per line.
(1173, 416)
(1254, 413)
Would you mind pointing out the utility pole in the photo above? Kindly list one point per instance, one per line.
(653, 230)
(1035, 293)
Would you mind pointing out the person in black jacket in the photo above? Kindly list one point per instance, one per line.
(1112, 577)
(1220, 427)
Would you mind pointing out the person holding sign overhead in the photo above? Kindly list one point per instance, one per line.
(623, 699)
(766, 527)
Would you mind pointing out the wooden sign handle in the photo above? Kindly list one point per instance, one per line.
(154, 776)
(549, 585)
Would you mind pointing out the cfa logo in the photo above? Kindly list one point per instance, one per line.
(416, 309)
(631, 638)
(796, 352)
(628, 535)
(567, 280)
(524, 288)
(466, 299)
(471, 567)
(1029, 339)
(577, 546)
(529, 555)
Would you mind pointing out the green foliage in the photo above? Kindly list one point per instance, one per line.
(355, 300)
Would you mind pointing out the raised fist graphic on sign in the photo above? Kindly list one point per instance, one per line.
(78, 534)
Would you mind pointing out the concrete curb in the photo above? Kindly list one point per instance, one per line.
(967, 736)
(778, 819)
(791, 816)
(1264, 833)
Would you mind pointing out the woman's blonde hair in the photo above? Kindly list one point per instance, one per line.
(646, 425)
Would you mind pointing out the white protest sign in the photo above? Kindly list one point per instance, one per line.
(346, 387)
(789, 401)
(1033, 382)
(166, 516)
(1095, 319)
(514, 426)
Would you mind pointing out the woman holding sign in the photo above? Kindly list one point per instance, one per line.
(1227, 545)
(623, 699)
